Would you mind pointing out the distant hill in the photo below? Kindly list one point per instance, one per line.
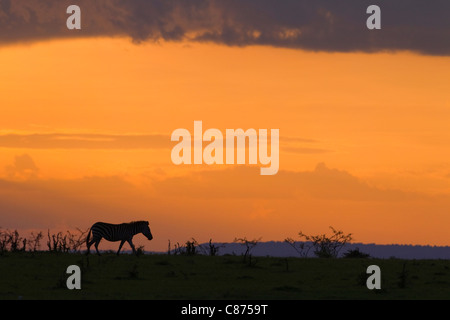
(282, 249)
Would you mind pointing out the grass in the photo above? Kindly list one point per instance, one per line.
(41, 275)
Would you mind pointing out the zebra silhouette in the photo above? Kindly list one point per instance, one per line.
(117, 232)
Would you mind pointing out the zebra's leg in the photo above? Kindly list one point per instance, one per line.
(120, 246)
(132, 245)
(89, 244)
(96, 245)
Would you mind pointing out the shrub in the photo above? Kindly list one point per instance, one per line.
(249, 245)
(324, 246)
(356, 254)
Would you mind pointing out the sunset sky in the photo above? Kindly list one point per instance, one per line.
(87, 115)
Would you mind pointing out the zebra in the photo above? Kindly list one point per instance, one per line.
(117, 232)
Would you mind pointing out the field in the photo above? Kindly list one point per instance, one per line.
(42, 275)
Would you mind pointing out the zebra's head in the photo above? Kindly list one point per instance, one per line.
(146, 230)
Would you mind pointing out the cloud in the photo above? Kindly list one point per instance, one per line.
(22, 168)
(302, 150)
(298, 145)
(326, 25)
(121, 142)
(203, 195)
(297, 140)
(222, 204)
(245, 182)
(84, 141)
(44, 204)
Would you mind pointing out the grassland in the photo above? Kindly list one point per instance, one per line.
(41, 275)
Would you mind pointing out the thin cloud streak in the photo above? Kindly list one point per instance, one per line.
(302, 150)
(84, 141)
(117, 141)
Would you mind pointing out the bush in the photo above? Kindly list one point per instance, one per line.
(356, 254)
(249, 245)
(140, 251)
(12, 241)
(324, 246)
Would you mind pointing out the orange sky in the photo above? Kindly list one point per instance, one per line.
(363, 140)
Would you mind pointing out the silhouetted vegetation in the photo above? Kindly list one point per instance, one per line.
(324, 246)
(356, 254)
(68, 242)
(302, 248)
(140, 251)
(403, 277)
(249, 245)
(213, 248)
(12, 241)
(36, 241)
(193, 247)
(178, 249)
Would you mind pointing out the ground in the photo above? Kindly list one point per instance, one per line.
(42, 275)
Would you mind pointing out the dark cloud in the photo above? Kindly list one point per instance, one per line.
(325, 25)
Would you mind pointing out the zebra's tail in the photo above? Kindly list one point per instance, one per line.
(88, 238)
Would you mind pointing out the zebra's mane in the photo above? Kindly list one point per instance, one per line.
(138, 222)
